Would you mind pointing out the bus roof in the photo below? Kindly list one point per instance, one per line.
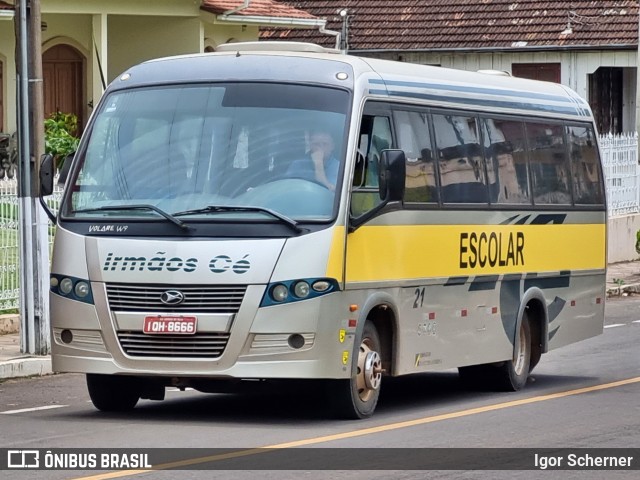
(384, 79)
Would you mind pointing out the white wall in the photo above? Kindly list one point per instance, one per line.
(135, 39)
(621, 246)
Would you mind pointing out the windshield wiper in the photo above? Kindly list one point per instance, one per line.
(114, 208)
(229, 208)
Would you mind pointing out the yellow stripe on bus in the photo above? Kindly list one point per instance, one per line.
(378, 253)
(336, 254)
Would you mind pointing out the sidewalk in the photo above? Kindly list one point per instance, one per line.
(622, 279)
(15, 364)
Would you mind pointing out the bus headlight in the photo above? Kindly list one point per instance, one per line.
(66, 285)
(288, 291)
(72, 288)
(301, 289)
(279, 293)
(321, 286)
(82, 289)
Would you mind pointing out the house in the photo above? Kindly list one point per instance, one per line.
(590, 46)
(86, 41)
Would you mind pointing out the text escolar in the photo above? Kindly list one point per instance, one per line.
(491, 249)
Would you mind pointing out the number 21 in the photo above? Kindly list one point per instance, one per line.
(419, 293)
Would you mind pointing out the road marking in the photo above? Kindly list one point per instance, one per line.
(636, 321)
(364, 431)
(34, 409)
(614, 325)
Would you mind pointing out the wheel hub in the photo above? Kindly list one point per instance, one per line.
(372, 370)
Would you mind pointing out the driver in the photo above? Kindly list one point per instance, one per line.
(320, 164)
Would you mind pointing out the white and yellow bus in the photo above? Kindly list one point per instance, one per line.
(458, 221)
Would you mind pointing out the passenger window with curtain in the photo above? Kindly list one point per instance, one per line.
(412, 132)
(506, 159)
(375, 136)
(462, 175)
(547, 160)
(585, 166)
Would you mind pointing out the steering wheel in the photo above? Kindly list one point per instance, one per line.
(248, 184)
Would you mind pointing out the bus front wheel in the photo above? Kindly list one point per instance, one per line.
(357, 397)
(112, 393)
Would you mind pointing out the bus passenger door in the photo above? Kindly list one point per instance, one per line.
(375, 136)
(363, 249)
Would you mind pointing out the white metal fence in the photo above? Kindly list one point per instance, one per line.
(622, 173)
(9, 246)
(9, 280)
(621, 170)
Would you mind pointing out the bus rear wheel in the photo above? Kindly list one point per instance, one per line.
(357, 397)
(112, 393)
(512, 375)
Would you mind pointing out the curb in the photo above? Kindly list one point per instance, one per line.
(25, 367)
(623, 289)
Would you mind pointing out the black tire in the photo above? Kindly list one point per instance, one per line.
(512, 375)
(112, 393)
(536, 346)
(357, 397)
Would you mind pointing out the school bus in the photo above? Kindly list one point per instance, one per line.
(457, 220)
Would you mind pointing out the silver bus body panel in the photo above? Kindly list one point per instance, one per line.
(257, 337)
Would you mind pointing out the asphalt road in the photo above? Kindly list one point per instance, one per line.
(586, 395)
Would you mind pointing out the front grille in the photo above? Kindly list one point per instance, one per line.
(200, 345)
(197, 298)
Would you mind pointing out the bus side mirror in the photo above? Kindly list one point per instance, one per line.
(391, 175)
(47, 169)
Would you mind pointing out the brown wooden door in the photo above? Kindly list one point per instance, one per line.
(63, 72)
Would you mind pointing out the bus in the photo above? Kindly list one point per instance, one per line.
(455, 220)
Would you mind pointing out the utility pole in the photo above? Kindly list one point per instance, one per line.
(34, 249)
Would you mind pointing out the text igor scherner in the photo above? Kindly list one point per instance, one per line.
(581, 461)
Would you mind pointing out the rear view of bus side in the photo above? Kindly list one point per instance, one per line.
(458, 222)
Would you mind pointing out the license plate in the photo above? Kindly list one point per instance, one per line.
(161, 325)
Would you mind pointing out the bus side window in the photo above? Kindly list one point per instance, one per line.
(585, 169)
(547, 161)
(506, 158)
(375, 136)
(461, 163)
(412, 129)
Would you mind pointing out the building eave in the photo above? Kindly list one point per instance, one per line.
(497, 49)
(272, 21)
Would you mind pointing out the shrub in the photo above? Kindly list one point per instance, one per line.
(59, 136)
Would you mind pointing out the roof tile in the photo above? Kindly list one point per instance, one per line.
(257, 8)
(403, 25)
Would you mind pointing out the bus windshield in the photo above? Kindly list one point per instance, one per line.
(185, 149)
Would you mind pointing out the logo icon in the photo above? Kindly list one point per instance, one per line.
(23, 459)
(172, 297)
